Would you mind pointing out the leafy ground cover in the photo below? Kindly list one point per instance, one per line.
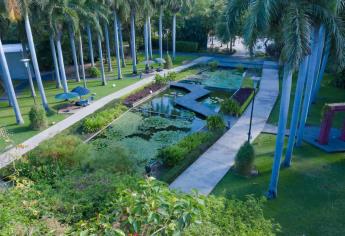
(310, 193)
(20, 133)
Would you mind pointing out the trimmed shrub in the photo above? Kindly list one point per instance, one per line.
(160, 79)
(174, 154)
(240, 68)
(231, 107)
(215, 123)
(187, 46)
(172, 76)
(94, 72)
(100, 120)
(38, 118)
(244, 161)
(168, 62)
(213, 65)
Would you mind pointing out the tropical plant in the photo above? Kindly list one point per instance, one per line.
(244, 161)
(215, 123)
(94, 72)
(38, 118)
(213, 65)
(231, 107)
(168, 62)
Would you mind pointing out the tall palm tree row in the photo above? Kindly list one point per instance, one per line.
(8, 85)
(134, 6)
(302, 26)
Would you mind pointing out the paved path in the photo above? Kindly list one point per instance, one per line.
(205, 173)
(190, 102)
(10, 155)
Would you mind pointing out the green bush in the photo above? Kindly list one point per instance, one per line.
(240, 68)
(168, 62)
(114, 159)
(215, 123)
(244, 161)
(100, 120)
(38, 118)
(187, 46)
(172, 76)
(94, 72)
(213, 65)
(160, 79)
(174, 154)
(231, 107)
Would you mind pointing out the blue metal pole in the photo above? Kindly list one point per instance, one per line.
(302, 75)
(309, 86)
(283, 116)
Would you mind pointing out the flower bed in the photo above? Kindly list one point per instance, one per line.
(133, 98)
(243, 96)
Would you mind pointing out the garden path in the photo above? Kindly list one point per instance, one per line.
(9, 156)
(205, 173)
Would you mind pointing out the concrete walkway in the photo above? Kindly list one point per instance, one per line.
(206, 172)
(10, 155)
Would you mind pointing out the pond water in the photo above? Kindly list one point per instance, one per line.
(159, 123)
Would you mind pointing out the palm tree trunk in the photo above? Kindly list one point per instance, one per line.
(117, 49)
(56, 66)
(74, 52)
(322, 69)
(150, 38)
(9, 86)
(146, 40)
(121, 45)
(89, 37)
(35, 62)
(321, 47)
(309, 87)
(81, 54)
(133, 47)
(61, 63)
(161, 32)
(99, 41)
(107, 43)
(174, 37)
(302, 75)
(283, 116)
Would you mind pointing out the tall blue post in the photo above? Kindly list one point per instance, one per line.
(283, 116)
(302, 75)
(309, 86)
(323, 68)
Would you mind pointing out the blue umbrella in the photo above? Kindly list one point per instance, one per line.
(81, 91)
(66, 96)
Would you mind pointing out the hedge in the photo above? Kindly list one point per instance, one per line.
(186, 46)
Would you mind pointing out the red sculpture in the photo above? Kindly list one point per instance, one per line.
(326, 126)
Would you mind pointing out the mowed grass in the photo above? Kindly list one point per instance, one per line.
(328, 94)
(20, 133)
(311, 193)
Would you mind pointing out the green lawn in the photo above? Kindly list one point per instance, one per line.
(328, 94)
(310, 194)
(23, 132)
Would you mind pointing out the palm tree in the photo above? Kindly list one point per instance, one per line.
(134, 6)
(22, 8)
(107, 43)
(55, 61)
(89, 37)
(116, 6)
(6, 73)
(294, 20)
(160, 4)
(175, 7)
(147, 9)
(60, 13)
